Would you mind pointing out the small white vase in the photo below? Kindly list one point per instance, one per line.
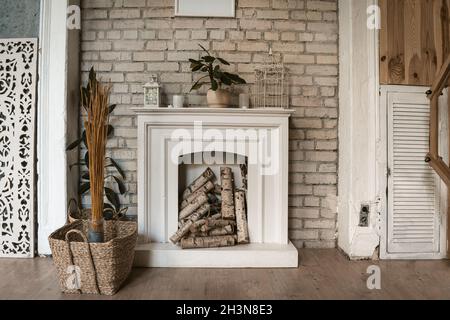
(219, 98)
(178, 101)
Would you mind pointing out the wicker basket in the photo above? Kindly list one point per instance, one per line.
(96, 268)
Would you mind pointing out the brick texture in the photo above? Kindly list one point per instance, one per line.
(128, 40)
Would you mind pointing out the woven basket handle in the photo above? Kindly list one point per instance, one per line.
(69, 206)
(78, 232)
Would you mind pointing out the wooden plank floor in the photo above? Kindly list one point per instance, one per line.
(323, 274)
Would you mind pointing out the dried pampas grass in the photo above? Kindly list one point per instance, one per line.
(96, 102)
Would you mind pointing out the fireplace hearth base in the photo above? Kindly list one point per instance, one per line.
(166, 255)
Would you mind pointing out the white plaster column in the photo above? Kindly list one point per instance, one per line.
(358, 130)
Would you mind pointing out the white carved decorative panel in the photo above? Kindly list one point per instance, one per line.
(17, 131)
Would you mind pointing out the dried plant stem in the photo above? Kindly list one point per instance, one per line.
(96, 136)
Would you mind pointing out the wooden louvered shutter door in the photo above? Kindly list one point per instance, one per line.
(413, 215)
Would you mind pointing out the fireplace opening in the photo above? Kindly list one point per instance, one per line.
(212, 193)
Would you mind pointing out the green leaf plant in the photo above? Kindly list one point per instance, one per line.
(214, 77)
(112, 205)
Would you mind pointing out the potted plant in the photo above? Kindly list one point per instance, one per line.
(215, 77)
(94, 256)
(112, 208)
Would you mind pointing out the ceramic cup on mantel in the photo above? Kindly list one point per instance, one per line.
(219, 98)
(244, 101)
(178, 101)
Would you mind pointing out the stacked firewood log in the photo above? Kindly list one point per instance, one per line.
(213, 215)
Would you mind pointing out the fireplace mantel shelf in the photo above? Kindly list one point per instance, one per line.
(213, 111)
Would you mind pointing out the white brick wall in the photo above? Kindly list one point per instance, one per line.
(127, 40)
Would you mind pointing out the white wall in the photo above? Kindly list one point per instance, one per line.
(358, 133)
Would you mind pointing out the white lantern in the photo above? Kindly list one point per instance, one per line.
(152, 93)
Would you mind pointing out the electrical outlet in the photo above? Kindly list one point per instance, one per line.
(364, 216)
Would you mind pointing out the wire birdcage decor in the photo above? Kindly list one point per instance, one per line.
(271, 87)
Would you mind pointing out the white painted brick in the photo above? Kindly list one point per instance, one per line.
(290, 25)
(199, 35)
(320, 224)
(133, 3)
(253, 46)
(321, 48)
(128, 24)
(182, 23)
(271, 36)
(129, 45)
(288, 4)
(298, 58)
(158, 45)
(182, 56)
(176, 77)
(322, 5)
(129, 67)
(322, 27)
(148, 56)
(96, 46)
(288, 36)
(179, 34)
(98, 4)
(221, 24)
(153, 24)
(304, 234)
(115, 56)
(163, 66)
(96, 25)
(327, 59)
(125, 14)
(188, 45)
(305, 213)
(224, 46)
(254, 3)
(94, 14)
(236, 35)
(273, 14)
(147, 34)
(113, 35)
(256, 24)
(158, 13)
(159, 3)
(130, 34)
(217, 34)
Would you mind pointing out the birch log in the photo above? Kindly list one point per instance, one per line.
(214, 224)
(225, 231)
(208, 242)
(226, 175)
(186, 228)
(217, 216)
(193, 206)
(241, 217)
(206, 188)
(206, 176)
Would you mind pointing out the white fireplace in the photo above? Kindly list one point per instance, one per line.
(261, 137)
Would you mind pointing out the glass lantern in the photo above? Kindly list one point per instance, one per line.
(152, 93)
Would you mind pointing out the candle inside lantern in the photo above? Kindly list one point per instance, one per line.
(244, 101)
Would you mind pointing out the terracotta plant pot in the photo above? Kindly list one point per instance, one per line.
(219, 99)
